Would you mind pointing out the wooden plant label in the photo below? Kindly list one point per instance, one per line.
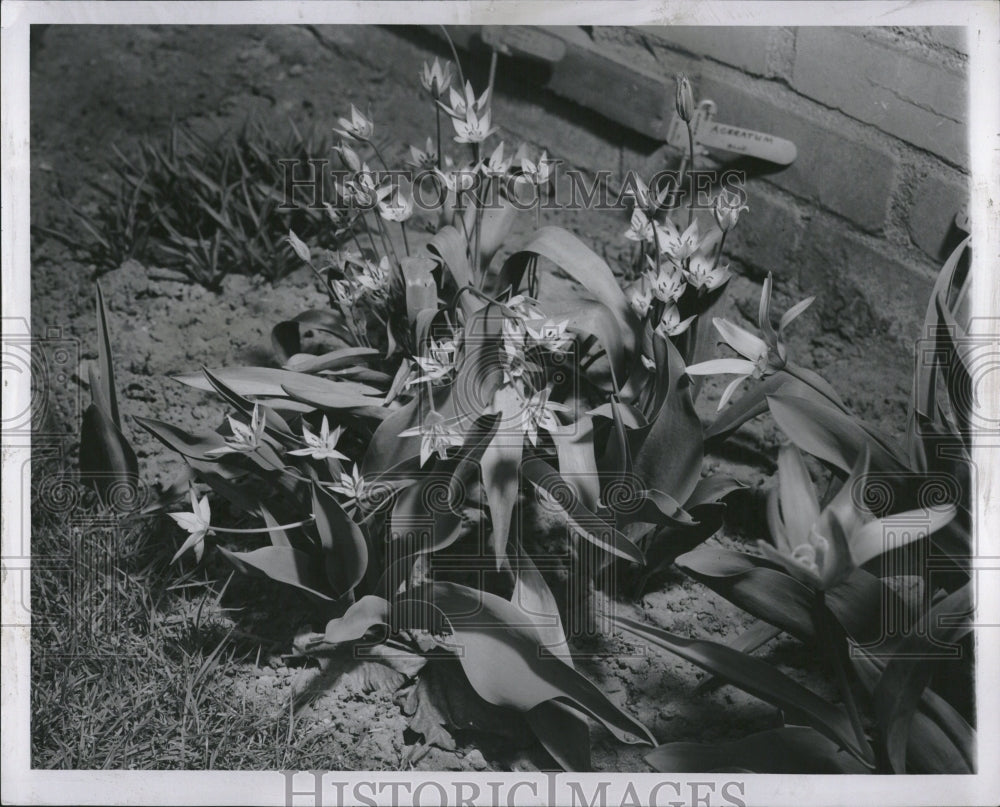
(710, 134)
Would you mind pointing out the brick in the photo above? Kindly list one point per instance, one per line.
(906, 96)
(850, 178)
(860, 291)
(932, 216)
(745, 48)
(767, 235)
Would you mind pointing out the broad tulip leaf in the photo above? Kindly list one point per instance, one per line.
(448, 246)
(107, 461)
(561, 496)
(361, 617)
(582, 264)
(271, 381)
(506, 664)
(564, 732)
(286, 339)
(345, 549)
(754, 585)
(827, 433)
(760, 679)
(792, 749)
(195, 446)
(273, 422)
(899, 691)
(670, 458)
(577, 462)
(500, 462)
(284, 565)
(333, 360)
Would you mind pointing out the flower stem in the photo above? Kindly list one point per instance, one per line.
(718, 254)
(690, 168)
(835, 642)
(258, 530)
(437, 117)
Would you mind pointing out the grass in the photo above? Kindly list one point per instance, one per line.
(207, 206)
(136, 666)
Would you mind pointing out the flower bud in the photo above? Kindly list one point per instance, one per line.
(349, 157)
(727, 210)
(684, 99)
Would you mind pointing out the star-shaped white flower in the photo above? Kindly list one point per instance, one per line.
(198, 522)
(677, 245)
(436, 436)
(671, 323)
(435, 78)
(539, 413)
(473, 128)
(438, 364)
(666, 283)
(704, 273)
(551, 335)
(245, 439)
(352, 487)
(321, 446)
(358, 126)
(425, 157)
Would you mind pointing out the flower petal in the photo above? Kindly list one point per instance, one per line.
(797, 495)
(722, 367)
(764, 312)
(728, 392)
(793, 312)
(740, 339)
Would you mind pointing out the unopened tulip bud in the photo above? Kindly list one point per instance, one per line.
(684, 99)
(349, 157)
(727, 210)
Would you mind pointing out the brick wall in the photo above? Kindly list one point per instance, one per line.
(864, 216)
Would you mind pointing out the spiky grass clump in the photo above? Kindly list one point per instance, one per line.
(210, 206)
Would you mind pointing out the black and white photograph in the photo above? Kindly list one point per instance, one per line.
(501, 403)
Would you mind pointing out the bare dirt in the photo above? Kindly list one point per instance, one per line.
(113, 85)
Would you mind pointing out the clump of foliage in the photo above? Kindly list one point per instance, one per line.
(209, 206)
(393, 474)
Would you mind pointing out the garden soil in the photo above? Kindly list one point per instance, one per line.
(97, 88)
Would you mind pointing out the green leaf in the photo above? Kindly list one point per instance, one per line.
(760, 679)
(107, 460)
(900, 689)
(828, 433)
(506, 664)
(283, 564)
(561, 497)
(286, 337)
(754, 585)
(792, 749)
(273, 422)
(333, 360)
(448, 246)
(361, 617)
(195, 446)
(564, 732)
(105, 392)
(671, 454)
(272, 382)
(499, 467)
(582, 264)
(345, 549)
